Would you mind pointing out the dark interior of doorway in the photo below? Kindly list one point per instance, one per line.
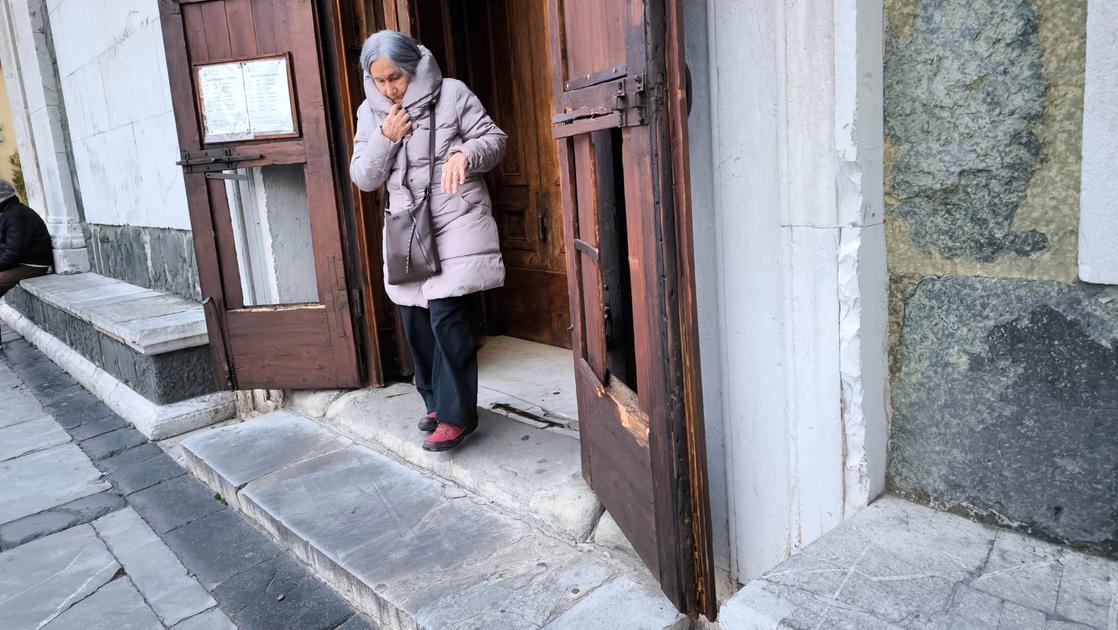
(499, 49)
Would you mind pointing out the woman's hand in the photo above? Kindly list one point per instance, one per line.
(397, 124)
(454, 173)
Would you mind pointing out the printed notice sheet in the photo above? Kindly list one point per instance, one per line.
(244, 100)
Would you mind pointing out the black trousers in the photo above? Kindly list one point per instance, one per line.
(444, 352)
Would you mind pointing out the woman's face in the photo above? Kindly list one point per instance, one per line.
(390, 80)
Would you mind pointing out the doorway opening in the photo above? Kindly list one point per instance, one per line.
(500, 49)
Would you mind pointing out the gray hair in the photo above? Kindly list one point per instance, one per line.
(7, 190)
(393, 46)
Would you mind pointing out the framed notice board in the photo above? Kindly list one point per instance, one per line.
(246, 99)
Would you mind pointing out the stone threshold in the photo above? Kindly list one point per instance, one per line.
(531, 470)
(155, 421)
(410, 549)
(897, 565)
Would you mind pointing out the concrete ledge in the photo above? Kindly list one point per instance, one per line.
(409, 550)
(148, 321)
(532, 472)
(96, 316)
(154, 421)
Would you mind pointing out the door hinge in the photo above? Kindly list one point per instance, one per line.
(629, 97)
(209, 160)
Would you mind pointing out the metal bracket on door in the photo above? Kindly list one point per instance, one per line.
(210, 160)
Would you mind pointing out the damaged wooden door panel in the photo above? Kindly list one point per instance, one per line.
(263, 199)
(620, 127)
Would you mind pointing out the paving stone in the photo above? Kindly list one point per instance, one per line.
(46, 479)
(1059, 624)
(210, 620)
(33, 527)
(78, 403)
(639, 605)
(1017, 617)
(43, 577)
(1089, 591)
(153, 568)
(30, 436)
(112, 443)
(252, 599)
(1022, 570)
(358, 622)
(115, 606)
(84, 510)
(93, 426)
(379, 528)
(174, 503)
(20, 406)
(220, 545)
(146, 474)
(130, 457)
(526, 470)
(19, 352)
(867, 573)
(230, 457)
(46, 379)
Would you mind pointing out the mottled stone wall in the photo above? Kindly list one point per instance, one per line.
(156, 258)
(1004, 367)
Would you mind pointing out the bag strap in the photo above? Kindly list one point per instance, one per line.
(432, 158)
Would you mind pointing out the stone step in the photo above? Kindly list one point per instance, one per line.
(410, 550)
(533, 471)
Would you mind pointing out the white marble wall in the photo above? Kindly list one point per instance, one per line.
(113, 72)
(790, 267)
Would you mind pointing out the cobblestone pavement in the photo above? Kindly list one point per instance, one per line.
(100, 528)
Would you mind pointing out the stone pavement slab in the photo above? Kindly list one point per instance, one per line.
(527, 470)
(112, 443)
(79, 511)
(210, 620)
(900, 566)
(152, 567)
(18, 406)
(622, 603)
(116, 606)
(240, 453)
(46, 479)
(219, 546)
(174, 503)
(40, 580)
(28, 437)
(280, 594)
(384, 533)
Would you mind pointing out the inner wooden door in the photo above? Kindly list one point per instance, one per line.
(499, 49)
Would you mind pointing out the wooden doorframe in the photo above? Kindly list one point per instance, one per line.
(384, 351)
(687, 493)
(677, 439)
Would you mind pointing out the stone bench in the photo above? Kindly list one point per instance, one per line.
(145, 353)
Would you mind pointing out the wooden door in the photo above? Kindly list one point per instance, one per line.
(499, 48)
(621, 134)
(264, 205)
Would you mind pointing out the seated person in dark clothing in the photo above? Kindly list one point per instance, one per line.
(25, 248)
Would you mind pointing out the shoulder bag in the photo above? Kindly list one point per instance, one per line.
(410, 250)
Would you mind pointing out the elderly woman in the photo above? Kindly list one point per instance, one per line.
(403, 88)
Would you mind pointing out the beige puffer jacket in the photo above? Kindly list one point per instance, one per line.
(465, 231)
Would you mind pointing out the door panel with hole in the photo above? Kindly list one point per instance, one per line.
(247, 87)
(620, 135)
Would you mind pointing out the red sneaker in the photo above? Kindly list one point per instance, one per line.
(429, 422)
(446, 437)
